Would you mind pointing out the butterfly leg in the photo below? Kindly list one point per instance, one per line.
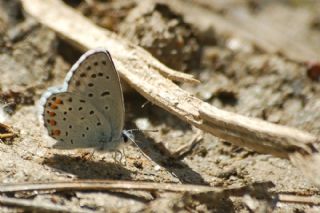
(90, 157)
(119, 157)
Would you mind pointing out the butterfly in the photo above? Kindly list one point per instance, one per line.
(88, 109)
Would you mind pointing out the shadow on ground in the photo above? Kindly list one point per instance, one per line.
(87, 169)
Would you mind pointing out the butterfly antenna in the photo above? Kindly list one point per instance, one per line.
(129, 136)
(144, 104)
(141, 130)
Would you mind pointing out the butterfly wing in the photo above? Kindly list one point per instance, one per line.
(93, 85)
(95, 77)
(75, 123)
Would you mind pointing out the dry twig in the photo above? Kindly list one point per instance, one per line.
(142, 72)
(256, 134)
(6, 132)
(308, 200)
(107, 185)
(112, 185)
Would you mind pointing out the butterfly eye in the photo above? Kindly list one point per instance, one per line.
(125, 138)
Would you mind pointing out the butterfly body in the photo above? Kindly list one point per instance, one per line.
(87, 110)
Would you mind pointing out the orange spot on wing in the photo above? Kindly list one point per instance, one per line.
(52, 122)
(52, 114)
(53, 106)
(58, 101)
(55, 132)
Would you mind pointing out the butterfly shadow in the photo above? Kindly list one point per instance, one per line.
(162, 157)
(88, 169)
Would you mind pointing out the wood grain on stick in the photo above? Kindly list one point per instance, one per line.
(150, 78)
(82, 33)
(255, 133)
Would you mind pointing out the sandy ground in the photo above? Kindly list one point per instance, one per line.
(235, 76)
